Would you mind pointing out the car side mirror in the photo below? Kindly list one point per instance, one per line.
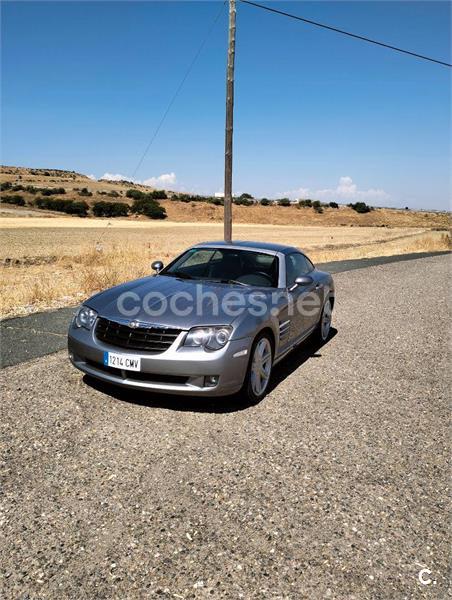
(302, 280)
(157, 265)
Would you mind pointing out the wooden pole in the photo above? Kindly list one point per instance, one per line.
(229, 125)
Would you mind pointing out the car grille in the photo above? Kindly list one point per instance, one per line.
(153, 340)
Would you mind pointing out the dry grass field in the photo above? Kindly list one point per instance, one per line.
(56, 261)
(48, 260)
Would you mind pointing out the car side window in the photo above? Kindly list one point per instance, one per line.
(296, 265)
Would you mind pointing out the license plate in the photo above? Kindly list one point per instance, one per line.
(122, 361)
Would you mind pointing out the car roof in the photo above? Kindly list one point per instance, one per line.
(267, 246)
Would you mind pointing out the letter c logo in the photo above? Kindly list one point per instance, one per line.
(421, 576)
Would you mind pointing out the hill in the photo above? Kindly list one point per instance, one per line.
(74, 185)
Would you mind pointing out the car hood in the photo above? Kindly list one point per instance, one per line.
(153, 299)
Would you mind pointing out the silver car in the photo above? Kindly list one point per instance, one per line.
(212, 323)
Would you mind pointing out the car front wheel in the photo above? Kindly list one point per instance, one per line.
(259, 368)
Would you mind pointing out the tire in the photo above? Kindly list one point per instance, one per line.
(322, 331)
(255, 385)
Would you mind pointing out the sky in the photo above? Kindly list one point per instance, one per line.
(317, 114)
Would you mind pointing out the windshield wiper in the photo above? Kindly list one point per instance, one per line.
(179, 274)
(229, 281)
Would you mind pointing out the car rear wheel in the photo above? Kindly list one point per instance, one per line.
(259, 368)
(323, 328)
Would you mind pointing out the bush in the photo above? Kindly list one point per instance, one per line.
(31, 189)
(17, 188)
(148, 207)
(70, 207)
(5, 185)
(158, 195)
(110, 209)
(284, 202)
(50, 191)
(16, 199)
(113, 194)
(246, 196)
(307, 203)
(216, 201)
(135, 194)
(243, 201)
(318, 209)
(265, 202)
(75, 207)
(85, 192)
(333, 205)
(360, 207)
(316, 204)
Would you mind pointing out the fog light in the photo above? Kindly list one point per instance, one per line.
(211, 380)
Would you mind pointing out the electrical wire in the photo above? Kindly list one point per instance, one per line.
(178, 90)
(353, 35)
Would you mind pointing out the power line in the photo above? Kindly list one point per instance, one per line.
(179, 88)
(353, 35)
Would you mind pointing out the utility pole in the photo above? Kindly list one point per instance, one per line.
(229, 125)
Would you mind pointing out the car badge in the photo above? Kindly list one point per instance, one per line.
(134, 324)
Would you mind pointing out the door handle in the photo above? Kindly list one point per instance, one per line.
(318, 286)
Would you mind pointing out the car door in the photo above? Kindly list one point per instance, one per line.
(303, 299)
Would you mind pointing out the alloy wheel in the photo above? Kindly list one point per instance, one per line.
(261, 366)
(326, 320)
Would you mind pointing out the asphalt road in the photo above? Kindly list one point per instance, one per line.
(334, 486)
(38, 334)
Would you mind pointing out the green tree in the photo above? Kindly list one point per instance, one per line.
(307, 202)
(159, 195)
(135, 194)
(243, 201)
(16, 199)
(148, 207)
(360, 207)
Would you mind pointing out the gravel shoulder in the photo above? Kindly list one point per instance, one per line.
(334, 486)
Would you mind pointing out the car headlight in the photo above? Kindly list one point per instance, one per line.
(212, 338)
(85, 317)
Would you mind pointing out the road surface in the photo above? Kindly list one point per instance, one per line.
(334, 486)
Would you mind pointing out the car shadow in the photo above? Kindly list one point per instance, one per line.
(293, 361)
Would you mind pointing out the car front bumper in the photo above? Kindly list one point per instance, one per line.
(178, 370)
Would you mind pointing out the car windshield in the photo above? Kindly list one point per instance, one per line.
(226, 265)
